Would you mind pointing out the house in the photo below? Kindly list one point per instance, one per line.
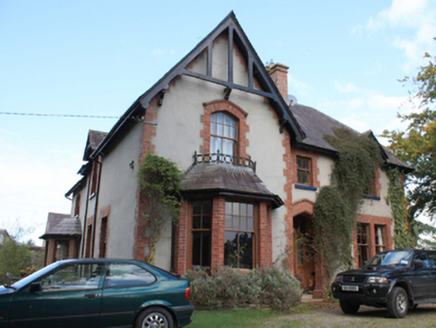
(253, 166)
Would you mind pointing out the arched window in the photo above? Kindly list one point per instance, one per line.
(223, 134)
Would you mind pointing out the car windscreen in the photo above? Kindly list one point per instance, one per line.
(26, 280)
(391, 258)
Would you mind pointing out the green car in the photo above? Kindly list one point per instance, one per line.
(97, 293)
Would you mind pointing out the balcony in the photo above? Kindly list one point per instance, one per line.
(218, 158)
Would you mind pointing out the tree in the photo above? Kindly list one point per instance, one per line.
(417, 144)
(14, 257)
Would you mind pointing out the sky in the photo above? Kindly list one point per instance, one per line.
(96, 57)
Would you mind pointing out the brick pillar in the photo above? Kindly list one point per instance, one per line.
(218, 229)
(181, 247)
(264, 238)
(279, 74)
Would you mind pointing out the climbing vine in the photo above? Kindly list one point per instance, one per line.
(336, 205)
(404, 236)
(160, 183)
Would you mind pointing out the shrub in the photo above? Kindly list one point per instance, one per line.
(235, 288)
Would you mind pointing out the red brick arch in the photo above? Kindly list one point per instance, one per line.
(302, 206)
(222, 105)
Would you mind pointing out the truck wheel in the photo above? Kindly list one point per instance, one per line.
(398, 303)
(349, 308)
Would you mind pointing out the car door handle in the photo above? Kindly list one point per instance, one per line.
(92, 295)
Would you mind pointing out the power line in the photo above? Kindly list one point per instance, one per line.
(60, 115)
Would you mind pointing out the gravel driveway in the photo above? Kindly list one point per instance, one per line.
(423, 316)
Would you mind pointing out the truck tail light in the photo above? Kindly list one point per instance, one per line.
(188, 293)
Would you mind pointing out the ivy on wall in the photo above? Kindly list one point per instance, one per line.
(336, 205)
(404, 236)
(160, 183)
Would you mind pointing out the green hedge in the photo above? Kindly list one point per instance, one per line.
(234, 288)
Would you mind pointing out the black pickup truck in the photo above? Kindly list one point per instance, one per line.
(396, 280)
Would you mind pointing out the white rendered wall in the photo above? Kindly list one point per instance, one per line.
(118, 189)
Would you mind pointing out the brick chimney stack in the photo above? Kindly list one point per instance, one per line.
(279, 74)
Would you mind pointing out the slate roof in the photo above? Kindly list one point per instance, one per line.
(227, 179)
(61, 225)
(316, 125)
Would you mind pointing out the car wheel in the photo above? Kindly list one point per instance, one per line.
(154, 318)
(349, 308)
(398, 303)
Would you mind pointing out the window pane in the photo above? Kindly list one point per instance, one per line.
(228, 147)
(62, 249)
(75, 276)
(250, 209)
(207, 207)
(214, 144)
(196, 248)
(214, 118)
(244, 209)
(219, 130)
(302, 163)
(213, 128)
(235, 208)
(230, 248)
(229, 224)
(233, 131)
(245, 251)
(124, 275)
(227, 120)
(207, 222)
(220, 118)
(236, 223)
(196, 207)
(303, 177)
(250, 224)
(228, 208)
(226, 131)
(206, 249)
(196, 222)
(243, 223)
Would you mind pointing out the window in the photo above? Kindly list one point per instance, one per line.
(370, 189)
(88, 241)
(62, 248)
(304, 171)
(77, 205)
(239, 235)
(94, 177)
(379, 239)
(362, 243)
(223, 134)
(127, 275)
(201, 233)
(103, 237)
(74, 276)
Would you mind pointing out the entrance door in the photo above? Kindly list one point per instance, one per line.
(304, 267)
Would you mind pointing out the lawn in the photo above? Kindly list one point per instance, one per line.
(230, 318)
(241, 317)
(321, 315)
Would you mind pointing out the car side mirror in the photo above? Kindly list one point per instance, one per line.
(35, 287)
(418, 264)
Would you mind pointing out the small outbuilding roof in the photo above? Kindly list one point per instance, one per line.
(61, 225)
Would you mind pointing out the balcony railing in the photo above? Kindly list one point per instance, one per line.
(218, 158)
